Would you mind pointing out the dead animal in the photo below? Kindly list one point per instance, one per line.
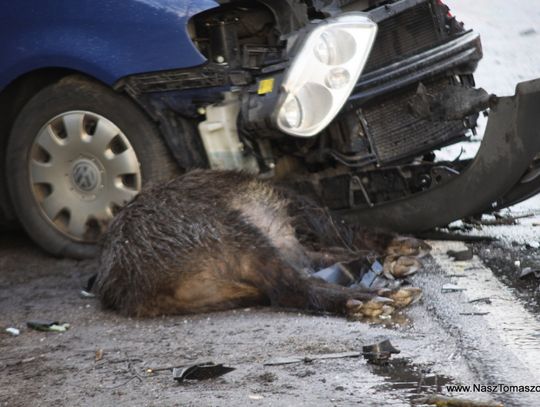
(214, 240)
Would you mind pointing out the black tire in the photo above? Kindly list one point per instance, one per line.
(75, 93)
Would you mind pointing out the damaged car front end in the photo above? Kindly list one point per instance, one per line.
(348, 101)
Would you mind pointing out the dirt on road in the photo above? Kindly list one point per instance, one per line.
(44, 368)
(103, 359)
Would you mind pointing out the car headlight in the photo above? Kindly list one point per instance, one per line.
(323, 73)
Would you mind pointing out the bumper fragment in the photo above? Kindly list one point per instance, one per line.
(511, 142)
(464, 50)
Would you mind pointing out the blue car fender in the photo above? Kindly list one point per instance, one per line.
(105, 39)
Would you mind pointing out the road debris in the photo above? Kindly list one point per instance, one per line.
(528, 32)
(528, 271)
(99, 355)
(13, 331)
(152, 370)
(336, 274)
(22, 361)
(474, 313)
(376, 278)
(48, 326)
(359, 273)
(200, 371)
(310, 358)
(499, 220)
(379, 353)
(443, 401)
(86, 292)
(451, 288)
(485, 300)
(267, 377)
(451, 236)
(533, 245)
(496, 221)
(461, 255)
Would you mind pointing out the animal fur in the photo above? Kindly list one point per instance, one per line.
(214, 240)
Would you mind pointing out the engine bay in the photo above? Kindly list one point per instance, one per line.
(377, 149)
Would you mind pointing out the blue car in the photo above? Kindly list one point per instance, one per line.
(344, 100)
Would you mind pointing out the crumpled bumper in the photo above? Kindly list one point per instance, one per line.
(511, 141)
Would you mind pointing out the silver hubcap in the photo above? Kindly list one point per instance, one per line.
(82, 170)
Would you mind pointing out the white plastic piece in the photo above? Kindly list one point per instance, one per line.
(13, 331)
(220, 137)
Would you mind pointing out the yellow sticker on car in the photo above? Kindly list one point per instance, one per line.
(266, 86)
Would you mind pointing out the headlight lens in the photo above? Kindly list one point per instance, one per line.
(292, 113)
(324, 72)
(316, 101)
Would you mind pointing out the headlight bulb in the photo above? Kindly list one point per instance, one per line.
(337, 78)
(325, 49)
(291, 114)
(335, 47)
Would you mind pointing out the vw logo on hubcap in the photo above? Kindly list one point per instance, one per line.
(85, 175)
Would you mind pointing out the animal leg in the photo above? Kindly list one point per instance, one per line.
(287, 287)
(327, 257)
(407, 246)
(359, 302)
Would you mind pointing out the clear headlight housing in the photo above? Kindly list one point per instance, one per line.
(324, 72)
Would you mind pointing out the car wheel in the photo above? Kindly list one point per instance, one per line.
(77, 153)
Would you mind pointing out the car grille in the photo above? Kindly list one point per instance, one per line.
(403, 34)
(394, 132)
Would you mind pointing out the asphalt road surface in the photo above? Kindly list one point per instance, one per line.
(486, 333)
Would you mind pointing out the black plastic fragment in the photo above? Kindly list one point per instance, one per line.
(379, 353)
(436, 234)
(201, 371)
(529, 271)
(485, 300)
(86, 292)
(454, 103)
(461, 255)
